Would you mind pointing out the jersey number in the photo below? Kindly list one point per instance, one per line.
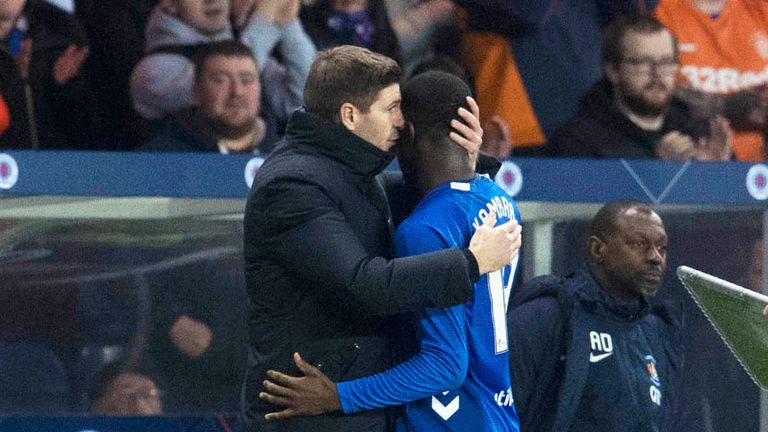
(499, 294)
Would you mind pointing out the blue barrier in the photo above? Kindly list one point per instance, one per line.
(66, 173)
(118, 424)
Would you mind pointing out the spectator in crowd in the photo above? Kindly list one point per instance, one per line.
(225, 118)
(116, 31)
(632, 113)
(318, 240)
(424, 29)
(5, 116)
(592, 351)
(533, 60)
(363, 23)
(723, 48)
(162, 82)
(48, 47)
(198, 334)
(124, 390)
(14, 128)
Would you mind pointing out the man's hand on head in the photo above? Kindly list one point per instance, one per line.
(495, 246)
(469, 133)
(312, 394)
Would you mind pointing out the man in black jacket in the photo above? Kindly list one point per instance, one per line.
(227, 116)
(318, 240)
(632, 113)
(14, 132)
(48, 47)
(592, 351)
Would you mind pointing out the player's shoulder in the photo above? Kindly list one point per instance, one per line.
(436, 215)
(422, 219)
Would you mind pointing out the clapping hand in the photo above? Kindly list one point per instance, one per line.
(718, 146)
(67, 66)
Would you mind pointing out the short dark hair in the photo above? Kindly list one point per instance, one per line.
(347, 74)
(604, 223)
(430, 101)
(613, 37)
(109, 372)
(225, 48)
(441, 63)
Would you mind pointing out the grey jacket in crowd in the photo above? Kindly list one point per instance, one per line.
(162, 82)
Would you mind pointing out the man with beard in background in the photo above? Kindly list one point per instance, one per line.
(225, 117)
(632, 113)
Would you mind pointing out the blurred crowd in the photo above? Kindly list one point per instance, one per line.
(638, 79)
(561, 78)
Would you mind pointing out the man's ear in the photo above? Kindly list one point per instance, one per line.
(596, 249)
(170, 7)
(348, 115)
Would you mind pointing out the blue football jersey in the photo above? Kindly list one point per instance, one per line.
(459, 380)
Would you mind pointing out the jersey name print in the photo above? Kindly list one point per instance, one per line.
(447, 217)
(459, 379)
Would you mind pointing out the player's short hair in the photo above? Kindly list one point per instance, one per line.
(430, 101)
(613, 37)
(441, 63)
(347, 74)
(225, 48)
(604, 223)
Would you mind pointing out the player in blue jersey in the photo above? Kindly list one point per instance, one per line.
(459, 378)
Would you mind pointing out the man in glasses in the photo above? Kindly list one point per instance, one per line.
(632, 113)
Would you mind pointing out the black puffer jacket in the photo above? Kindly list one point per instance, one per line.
(64, 113)
(600, 130)
(318, 242)
(189, 131)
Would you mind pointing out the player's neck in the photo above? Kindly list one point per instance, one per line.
(435, 175)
